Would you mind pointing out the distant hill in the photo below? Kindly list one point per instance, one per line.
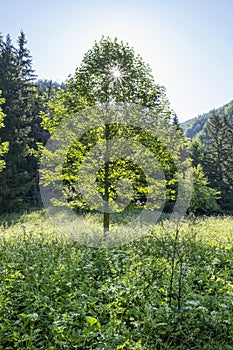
(196, 127)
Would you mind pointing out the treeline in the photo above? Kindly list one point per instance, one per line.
(30, 110)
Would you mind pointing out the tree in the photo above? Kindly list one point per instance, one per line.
(109, 74)
(196, 152)
(204, 198)
(218, 164)
(21, 117)
(176, 124)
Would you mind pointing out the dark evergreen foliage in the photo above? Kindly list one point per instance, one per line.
(21, 107)
(217, 161)
(212, 148)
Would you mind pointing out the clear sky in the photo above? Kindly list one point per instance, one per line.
(187, 43)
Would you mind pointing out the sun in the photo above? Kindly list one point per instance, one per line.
(116, 73)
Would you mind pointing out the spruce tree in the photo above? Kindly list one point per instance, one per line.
(196, 152)
(176, 124)
(21, 110)
(218, 164)
(227, 198)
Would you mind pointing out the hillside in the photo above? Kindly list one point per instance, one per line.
(195, 127)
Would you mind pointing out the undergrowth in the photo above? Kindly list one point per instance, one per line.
(169, 290)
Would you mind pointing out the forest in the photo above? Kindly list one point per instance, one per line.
(168, 289)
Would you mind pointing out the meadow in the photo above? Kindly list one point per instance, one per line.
(172, 289)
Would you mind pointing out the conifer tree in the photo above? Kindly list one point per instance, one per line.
(196, 152)
(218, 164)
(176, 124)
(21, 110)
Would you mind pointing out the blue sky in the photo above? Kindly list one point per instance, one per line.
(188, 44)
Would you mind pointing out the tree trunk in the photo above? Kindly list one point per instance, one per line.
(106, 183)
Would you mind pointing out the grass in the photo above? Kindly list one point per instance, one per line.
(165, 291)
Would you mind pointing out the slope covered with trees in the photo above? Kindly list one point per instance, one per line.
(196, 126)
